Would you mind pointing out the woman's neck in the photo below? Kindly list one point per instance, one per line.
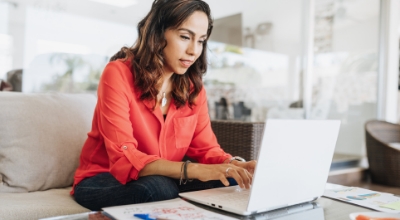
(166, 83)
(164, 93)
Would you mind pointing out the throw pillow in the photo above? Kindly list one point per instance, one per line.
(41, 137)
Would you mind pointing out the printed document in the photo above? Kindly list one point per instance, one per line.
(384, 202)
(170, 209)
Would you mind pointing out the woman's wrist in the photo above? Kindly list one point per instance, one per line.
(235, 162)
(192, 169)
(237, 158)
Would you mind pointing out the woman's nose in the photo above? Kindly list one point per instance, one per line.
(193, 49)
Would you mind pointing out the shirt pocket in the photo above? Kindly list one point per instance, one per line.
(184, 130)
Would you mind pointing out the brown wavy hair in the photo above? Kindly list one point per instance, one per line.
(147, 57)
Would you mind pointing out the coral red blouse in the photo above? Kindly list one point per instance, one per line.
(127, 134)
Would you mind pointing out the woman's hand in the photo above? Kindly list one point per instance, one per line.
(249, 165)
(207, 172)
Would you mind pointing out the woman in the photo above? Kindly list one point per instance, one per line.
(151, 112)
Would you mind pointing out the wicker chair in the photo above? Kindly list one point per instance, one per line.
(383, 159)
(239, 138)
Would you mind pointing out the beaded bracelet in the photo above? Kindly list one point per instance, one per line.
(180, 180)
(184, 172)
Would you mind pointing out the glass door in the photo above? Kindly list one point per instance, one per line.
(345, 68)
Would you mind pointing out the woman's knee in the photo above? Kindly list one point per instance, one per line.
(158, 188)
(95, 193)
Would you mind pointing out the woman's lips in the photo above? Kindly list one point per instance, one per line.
(186, 63)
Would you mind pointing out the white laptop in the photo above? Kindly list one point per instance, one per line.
(292, 169)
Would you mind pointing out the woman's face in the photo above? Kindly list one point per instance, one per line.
(185, 44)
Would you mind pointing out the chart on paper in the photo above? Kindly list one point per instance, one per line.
(169, 209)
(380, 201)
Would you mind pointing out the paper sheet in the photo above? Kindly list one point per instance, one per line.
(383, 202)
(170, 209)
(394, 206)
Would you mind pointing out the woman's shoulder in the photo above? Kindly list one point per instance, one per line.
(202, 92)
(120, 66)
(123, 64)
(116, 72)
(202, 96)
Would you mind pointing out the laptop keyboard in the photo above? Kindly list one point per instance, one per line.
(238, 199)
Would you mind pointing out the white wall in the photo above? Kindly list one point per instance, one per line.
(17, 18)
(6, 41)
(360, 36)
(3, 18)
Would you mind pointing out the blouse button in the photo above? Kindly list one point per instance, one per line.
(125, 147)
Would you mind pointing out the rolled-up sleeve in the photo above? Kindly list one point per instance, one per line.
(114, 97)
(204, 146)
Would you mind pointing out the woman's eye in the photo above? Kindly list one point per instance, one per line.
(202, 41)
(185, 37)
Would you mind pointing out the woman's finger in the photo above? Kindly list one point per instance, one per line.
(238, 179)
(224, 179)
(244, 172)
(243, 175)
(251, 165)
(233, 172)
(246, 177)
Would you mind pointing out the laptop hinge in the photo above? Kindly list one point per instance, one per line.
(283, 211)
(303, 201)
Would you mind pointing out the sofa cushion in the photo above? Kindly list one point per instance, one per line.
(35, 205)
(41, 137)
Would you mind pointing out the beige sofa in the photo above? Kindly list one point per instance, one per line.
(41, 136)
